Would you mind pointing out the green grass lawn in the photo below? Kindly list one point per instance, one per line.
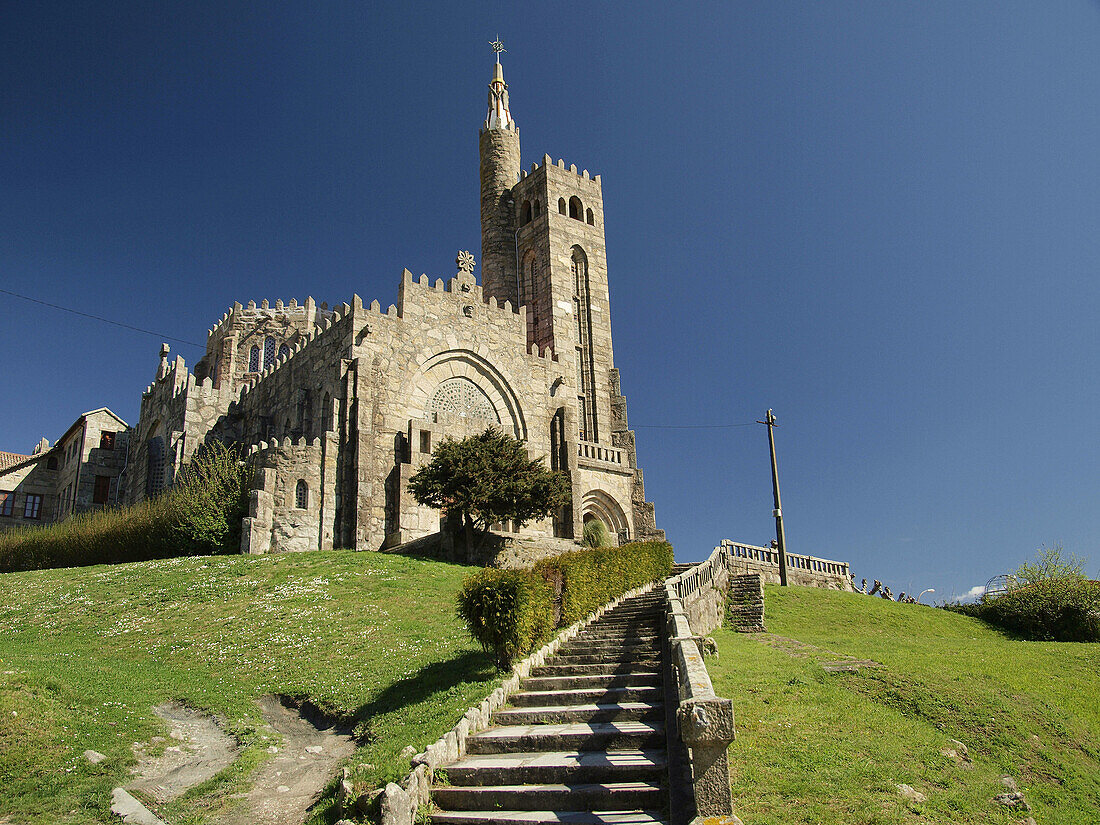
(820, 747)
(86, 653)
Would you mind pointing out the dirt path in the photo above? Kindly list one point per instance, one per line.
(199, 749)
(286, 785)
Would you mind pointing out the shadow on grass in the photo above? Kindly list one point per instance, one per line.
(430, 680)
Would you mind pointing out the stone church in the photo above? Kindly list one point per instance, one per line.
(337, 407)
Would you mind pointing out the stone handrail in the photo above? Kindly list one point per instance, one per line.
(704, 720)
(795, 561)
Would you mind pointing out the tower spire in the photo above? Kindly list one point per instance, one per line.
(498, 117)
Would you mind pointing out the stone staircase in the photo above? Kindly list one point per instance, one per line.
(582, 742)
(745, 603)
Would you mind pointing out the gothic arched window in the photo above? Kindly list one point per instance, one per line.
(301, 494)
(284, 352)
(527, 295)
(588, 217)
(586, 368)
(254, 359)
(269, 351)
(575, 208)
(525, 214)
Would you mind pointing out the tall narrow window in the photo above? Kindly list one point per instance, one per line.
(33, 506)
(575, 209)
(284, 352)
(525, 214)
(527, 296)
(561, 205)
(214, 371)
(269, 352)
(586, 368)
(301, 494)
(588, 217)
(254, 359)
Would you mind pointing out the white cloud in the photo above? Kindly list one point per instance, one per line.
(974, 592)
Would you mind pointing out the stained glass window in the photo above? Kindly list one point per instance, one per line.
(254, 359)
(269, 352)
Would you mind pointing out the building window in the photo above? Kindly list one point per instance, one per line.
(33, 506)
(561, 205)
(588, 217)
(106, 441)
(301, 494)
(425, 441)
(284, 352)
(51, 463)
(254, 359)
(536, 209)
(525, 214)
(7, 500)
(269, 352)
(575, 209)
(101, 494)
(586, 367)
(214, 372)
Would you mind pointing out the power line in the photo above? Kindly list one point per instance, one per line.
(688, 426)
(160, 335)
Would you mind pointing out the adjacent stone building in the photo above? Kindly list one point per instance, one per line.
(81, 472)
(338, 407)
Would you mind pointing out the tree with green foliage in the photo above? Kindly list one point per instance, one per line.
(1049, 563)
(487, 478)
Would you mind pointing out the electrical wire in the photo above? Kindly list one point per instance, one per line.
(688, 426)
(160, 335)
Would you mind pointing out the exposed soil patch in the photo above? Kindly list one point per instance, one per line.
(290, 782)
(198, 749)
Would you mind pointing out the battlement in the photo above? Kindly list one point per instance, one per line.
(465, 292)
(309, 310)
(548, 162)
(263, 448)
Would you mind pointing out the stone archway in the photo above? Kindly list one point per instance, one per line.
(600, 504)
(434, 383)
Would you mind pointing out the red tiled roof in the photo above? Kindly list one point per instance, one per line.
(9, 460)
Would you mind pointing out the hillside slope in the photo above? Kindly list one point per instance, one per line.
(86, 653)
(824, 738)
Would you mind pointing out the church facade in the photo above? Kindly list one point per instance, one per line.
(338, 407)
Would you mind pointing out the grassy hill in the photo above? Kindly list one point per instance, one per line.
(818, 745)
(86, 653)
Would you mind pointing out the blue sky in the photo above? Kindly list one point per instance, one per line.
(880, 219)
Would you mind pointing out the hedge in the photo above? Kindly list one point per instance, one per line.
(511, 611)
(1063, 609)
(199, 515)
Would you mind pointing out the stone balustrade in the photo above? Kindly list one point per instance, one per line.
(801, 569)
(704, 722)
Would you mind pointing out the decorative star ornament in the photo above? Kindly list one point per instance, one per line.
(497, 47)
(465, 262)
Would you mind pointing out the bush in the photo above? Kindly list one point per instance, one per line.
(199, 515)
(506, 611)
(1050, 599)
(512, 611)
(596, 534)
(1065, 609)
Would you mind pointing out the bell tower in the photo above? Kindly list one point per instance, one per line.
(499, 149)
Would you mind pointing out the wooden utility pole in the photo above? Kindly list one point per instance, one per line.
(780, 538)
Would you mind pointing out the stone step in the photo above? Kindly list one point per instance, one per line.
(591, 680)
(587, 696)
(594, 736)
(592, 712)
(541, 817)
(590, 796)
(560, 668)
(631, 638)
(598, 646)
(559, 766)
(651, 658)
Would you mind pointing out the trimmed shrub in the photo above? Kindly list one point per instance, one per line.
(511, 611)
(506, 611)
(596, 534)
(199, 515)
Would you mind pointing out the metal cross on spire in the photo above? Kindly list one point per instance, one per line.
(497, 47)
